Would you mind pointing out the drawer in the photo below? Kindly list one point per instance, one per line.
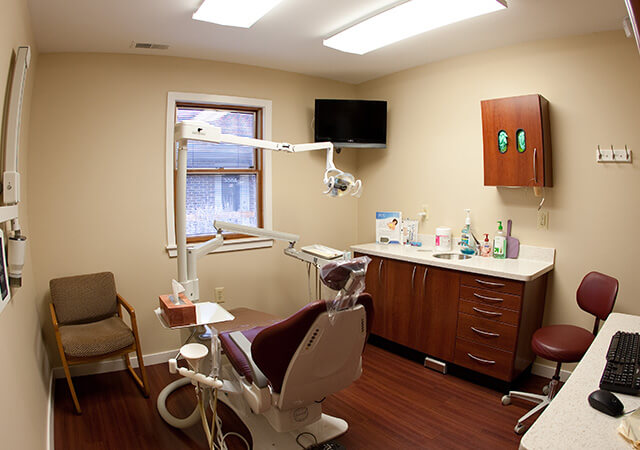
(492, 298)
(492, 283)
(487, 360)
(488, 312)
(487, 332)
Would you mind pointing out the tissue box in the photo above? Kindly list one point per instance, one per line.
(177, 315)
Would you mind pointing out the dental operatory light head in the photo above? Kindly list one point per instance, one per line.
(341, 183)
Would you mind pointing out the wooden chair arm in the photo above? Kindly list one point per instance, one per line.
(54, 318)
(127, 306)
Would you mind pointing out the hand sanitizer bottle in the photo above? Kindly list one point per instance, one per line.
(500, 243)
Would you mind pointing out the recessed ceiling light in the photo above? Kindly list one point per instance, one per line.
(408, 19)
(234, 13)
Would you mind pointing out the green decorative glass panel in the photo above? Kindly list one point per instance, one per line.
(520, 138)
(503, 140)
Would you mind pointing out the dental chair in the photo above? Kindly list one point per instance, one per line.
(277, 376)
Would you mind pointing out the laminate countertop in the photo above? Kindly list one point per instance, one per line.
(532, 262)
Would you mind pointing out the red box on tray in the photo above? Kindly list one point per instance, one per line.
(177, 313)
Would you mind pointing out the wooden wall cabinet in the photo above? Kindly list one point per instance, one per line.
(513, 164)
(478, 322)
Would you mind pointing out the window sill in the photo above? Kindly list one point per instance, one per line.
(231, 246)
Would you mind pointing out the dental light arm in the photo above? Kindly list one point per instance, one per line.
(338, 183)
(254, 231)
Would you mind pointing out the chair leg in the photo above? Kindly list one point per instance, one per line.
(142, 383)
(541, 400)
(67, 374)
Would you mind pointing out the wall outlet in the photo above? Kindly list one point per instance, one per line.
(543, 220)
(219, 295)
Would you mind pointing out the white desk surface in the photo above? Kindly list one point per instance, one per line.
(569, 422)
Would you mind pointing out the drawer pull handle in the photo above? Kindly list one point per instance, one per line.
(488, 313)
(380, 271)
(490, 283)
(480, 360)
(485, 333)
(490, 299)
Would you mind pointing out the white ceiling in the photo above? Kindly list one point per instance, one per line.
(290, 36)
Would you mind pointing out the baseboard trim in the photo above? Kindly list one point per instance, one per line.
(548, 371)
(114, 365)
(50, 413)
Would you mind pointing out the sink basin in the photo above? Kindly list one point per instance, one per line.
(452, 256)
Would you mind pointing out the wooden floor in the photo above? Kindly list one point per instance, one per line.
(396, 404)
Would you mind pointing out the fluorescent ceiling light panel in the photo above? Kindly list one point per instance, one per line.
(234, 13)
(408, 19)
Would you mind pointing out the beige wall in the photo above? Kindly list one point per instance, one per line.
(24, 380)
(434, 156)
(97, 180)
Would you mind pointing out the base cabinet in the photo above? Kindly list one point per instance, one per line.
(475, 321)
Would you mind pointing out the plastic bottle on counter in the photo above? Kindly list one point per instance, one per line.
(500, 243)
(443, 239)
(485, 250)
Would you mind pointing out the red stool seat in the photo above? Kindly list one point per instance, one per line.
(561, 343)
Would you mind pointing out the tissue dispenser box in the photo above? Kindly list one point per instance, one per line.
(177, 315)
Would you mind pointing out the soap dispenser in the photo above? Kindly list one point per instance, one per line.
(485, 250)
(467, 241)
(500, 243)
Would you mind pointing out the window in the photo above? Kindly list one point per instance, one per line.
(224, 181)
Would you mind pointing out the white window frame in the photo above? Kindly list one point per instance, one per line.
(188, 97)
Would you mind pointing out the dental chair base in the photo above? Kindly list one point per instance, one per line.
(265, 437)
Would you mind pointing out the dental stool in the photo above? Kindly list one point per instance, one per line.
(567, 343)
(286, 370)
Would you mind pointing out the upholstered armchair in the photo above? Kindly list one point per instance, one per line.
(86, 312)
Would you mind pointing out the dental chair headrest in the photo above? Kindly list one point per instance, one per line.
(336, 275)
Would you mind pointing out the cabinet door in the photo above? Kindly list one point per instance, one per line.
(439, 313)
(375, 285)
(403, 302)
(513, 167)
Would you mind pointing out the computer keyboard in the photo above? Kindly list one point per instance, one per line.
(622, 372)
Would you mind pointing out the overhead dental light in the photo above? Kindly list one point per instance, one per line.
(406, 20)
(337, 183)
(234, 13)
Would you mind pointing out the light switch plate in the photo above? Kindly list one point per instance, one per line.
(543, 220)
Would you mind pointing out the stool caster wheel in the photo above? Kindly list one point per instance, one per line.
(506, 400)
(545, 389)
(519, 429)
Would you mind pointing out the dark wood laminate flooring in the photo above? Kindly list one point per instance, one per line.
(396, 404)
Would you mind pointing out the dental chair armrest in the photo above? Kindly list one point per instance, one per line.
(245, 346)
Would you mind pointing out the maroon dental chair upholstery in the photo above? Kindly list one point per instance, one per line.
(273, 346)
(568, 343)
(286, 369)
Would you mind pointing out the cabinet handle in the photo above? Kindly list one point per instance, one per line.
(413, 277)
(535, 165)
(489, 283)
(485, 333)
(480, 360)
(380, 271)
(488, 313)
(424, 277)
(490, 299)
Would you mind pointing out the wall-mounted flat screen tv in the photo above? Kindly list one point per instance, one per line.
(351, 123)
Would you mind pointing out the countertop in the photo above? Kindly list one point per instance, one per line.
(569, 422)
(531, 263)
